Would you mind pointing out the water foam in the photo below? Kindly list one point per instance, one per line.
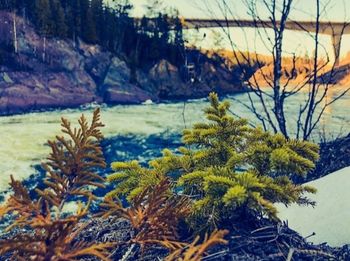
(23, 137)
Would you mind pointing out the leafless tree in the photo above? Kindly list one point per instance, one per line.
(280, 84)
(321, 84)
(15, 41)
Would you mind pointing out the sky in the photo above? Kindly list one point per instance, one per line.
(302, 9)
(249, 39)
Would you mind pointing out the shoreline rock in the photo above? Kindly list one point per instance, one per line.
(49, 73)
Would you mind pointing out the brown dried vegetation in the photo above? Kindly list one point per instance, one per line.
(71, 168)
(154, 214)
(43, 231)
(195, 251)
(72, 163)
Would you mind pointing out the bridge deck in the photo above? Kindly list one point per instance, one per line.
(329, 28)
(335, 29)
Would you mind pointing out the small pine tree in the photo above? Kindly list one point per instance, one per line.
(58, 19)
(89, 27)
(99, 18)
(228, 168)
(42, 17)
(73, 12)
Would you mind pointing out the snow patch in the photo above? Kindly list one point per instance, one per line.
(330, 219)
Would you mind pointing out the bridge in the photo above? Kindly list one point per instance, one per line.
(334, 29)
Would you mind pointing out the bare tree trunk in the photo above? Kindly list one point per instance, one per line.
(317, 83)
(308, 120)
(44, 51)
(278, 96)
(15, 42)
(278, 24)
(319, 91)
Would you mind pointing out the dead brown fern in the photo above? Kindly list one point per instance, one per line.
(154, 214)
(72, 163)
(71, 168)
(195, 251)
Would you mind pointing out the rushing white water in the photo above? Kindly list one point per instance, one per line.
(23, 137)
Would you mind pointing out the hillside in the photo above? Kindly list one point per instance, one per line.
(51, 73)
(295, 71)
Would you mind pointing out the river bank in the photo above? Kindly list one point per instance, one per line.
(142, 132)
(268, 241)
(32, 130)
(48, 73)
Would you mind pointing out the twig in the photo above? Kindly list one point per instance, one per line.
(290, 254)
(214, 255)
(128, 252)
(313, 234)
(183, 114)
(260, 229)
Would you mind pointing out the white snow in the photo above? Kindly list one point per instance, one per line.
(330, 219)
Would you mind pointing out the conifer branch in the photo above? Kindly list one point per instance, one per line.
(227, 168)
(72, 166)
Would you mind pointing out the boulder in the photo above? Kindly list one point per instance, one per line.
(168, 81)
(46, 73)
(96, 60)
(117, 74)
(144, 81)
(50, 73)
(215, 77)
(22, 91)
(117, 89)
(172, 84)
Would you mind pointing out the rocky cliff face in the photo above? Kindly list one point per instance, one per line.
(300, 72)
(51, 73)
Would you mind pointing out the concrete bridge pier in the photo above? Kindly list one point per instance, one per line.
(336, 41)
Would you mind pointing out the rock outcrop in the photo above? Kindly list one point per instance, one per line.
(50, 73)
(208, 77)
(116, 87)
(44, 73)
(299, 71)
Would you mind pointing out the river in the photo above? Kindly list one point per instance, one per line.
(23, 137)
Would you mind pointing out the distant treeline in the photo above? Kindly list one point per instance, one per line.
(110, 26)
